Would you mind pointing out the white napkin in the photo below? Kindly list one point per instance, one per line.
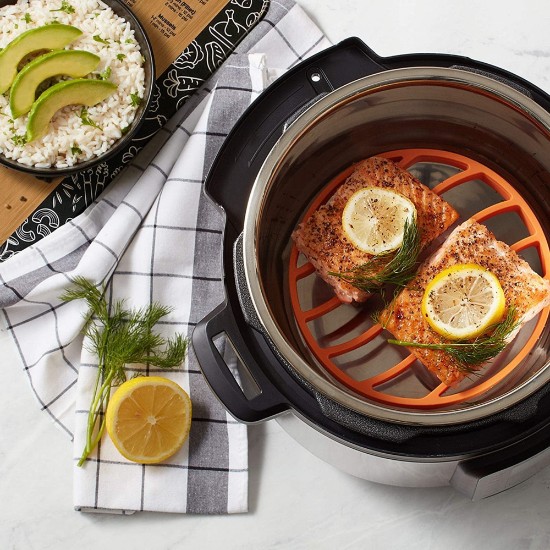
(152, 236)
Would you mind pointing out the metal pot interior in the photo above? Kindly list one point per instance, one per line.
(441, 109)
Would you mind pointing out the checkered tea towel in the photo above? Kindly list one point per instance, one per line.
(151, 236)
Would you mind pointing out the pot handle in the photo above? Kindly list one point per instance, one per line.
(267, 402)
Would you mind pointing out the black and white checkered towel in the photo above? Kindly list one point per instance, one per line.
(152, 236)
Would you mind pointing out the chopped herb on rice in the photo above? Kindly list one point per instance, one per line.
(19, 140)
(86, 120)
(65, 7)
(98, 38)
(106, 74)
(135, 100)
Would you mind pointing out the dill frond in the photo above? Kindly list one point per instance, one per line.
(467, 355)
(396, 267)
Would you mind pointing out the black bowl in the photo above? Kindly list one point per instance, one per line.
(122, 10)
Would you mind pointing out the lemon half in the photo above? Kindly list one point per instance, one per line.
(148, 419)
(374, 219)
(462, 301)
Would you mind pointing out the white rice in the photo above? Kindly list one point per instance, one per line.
(68, 140)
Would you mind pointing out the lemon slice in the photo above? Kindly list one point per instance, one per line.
(148, 419)
(374, 219)
(462, 301)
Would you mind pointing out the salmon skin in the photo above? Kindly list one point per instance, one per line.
(323, 241)
(470, 242)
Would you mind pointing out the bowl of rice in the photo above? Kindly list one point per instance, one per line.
(79, 136)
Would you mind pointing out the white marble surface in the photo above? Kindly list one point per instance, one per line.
(297, 501)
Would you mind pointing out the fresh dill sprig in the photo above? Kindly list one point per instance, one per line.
(470, 354)
(396, 267)
(118, 336)
(65, 6)
(86, 120)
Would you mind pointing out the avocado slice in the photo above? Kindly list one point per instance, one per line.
(74, 63)
(47, 37)
(81, 91)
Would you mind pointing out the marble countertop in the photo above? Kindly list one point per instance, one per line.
(296, 500)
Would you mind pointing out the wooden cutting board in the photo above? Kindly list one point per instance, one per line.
(171, 26)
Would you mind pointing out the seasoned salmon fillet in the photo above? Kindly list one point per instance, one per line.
(470, 242)
(323, 241)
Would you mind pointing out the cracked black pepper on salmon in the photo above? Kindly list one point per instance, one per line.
(323, 241)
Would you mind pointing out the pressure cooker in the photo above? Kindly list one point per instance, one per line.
(477, 135)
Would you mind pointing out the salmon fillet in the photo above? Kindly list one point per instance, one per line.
(323, 241)
(470, 242)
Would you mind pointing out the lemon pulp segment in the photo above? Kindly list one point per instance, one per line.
(374, 219)
(462, 301)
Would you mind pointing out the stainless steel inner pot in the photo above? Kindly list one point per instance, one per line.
(438, 108)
